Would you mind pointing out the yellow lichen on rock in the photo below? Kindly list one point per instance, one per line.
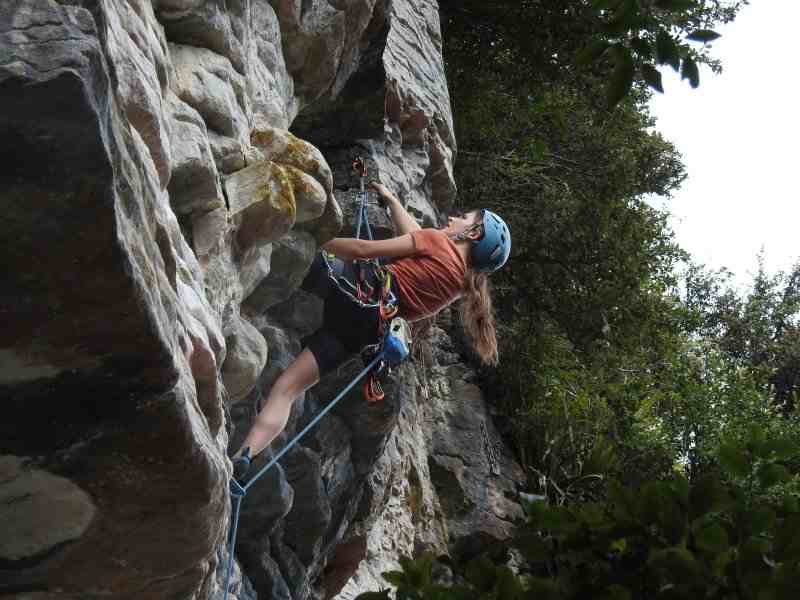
(262, 202)
(287, 181)
(280, 146)
(310, 197)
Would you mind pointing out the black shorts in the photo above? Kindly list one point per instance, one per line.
(347, 325)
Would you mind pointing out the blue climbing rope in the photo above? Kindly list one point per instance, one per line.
(237, 494)
(239, 491)
(393, 351)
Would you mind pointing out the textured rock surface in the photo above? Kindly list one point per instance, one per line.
(158, 219)
(41, 510)
(433, 487)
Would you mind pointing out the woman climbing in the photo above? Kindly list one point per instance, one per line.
(429, 269)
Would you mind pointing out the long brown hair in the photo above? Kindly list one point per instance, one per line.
(477, 316)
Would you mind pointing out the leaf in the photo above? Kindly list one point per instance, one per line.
(662, 505)
(616, 592)
(425, 563)
(787, 539)
(667, 51)
(771, 474)
(760, 519)
(592, 514)
(711, 537)
(396, 578)
(733, 458)
(601, 459)
(626, 18)
(707, 495)
(722, 560)
(591, 53)
(481, 573)
(676, 564)
(779, 448)
(704, 35)
(555, 519)
(440, 592)
(691, 72)
(382, 595)
(533, 547)
(680, 486)
(674, 5)
(650, 497)
(621, 77)
(652, 77)
(417, 572)
(751, 554)
(618, 545)
(507, 586)
(756, 438)
(542, 589)
(605, 4)
(622, 500)
(790, 504)
(642, 47)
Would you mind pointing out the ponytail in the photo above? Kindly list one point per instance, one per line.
(477, 316)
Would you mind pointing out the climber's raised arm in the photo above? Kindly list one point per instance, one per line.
(351, 248)
(402, 219)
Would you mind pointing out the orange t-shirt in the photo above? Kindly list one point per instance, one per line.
(431, 278)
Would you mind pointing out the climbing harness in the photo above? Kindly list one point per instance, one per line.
(394, 347)
(365, 293)
(360, 167)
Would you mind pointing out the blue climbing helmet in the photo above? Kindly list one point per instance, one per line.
(491, 251)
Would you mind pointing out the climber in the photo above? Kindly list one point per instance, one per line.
(429, 269)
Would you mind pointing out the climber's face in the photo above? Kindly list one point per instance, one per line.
(463, 222)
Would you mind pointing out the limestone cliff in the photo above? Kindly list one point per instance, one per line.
(168, 168)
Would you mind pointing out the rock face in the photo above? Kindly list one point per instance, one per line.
(158, 220)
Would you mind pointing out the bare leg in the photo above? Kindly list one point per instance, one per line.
(297, 378)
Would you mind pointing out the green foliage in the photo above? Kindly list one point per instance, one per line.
(703, 35)
(617, 372)
(758, 329)
(737, 367)
(728, 535)
(690, 71)
(652, 77)
(648, 34)
(581, 304)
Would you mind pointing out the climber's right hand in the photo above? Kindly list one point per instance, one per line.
(383, 193)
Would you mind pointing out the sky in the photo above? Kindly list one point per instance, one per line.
(739, 134)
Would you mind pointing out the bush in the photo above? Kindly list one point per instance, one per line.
(731, 534)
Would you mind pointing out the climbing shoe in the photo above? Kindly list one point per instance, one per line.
(241, 464)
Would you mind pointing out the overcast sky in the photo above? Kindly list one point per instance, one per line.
(739, 134)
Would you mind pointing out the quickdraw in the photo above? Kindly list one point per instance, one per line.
(489, 449)
(387, 302)
(364, 290)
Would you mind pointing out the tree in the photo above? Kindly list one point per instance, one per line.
(581, 302)
(622, 40)
(732, 534)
